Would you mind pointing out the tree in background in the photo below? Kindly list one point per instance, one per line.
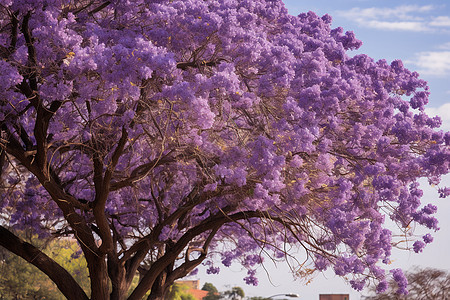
(423, 283)
(179, 292)
(236, 293)
(213, 293)
(21, 280)
(165, 134)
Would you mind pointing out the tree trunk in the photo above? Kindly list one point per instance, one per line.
(158, 293)
(99, 277)
(118, 281)
(155, 297)
(160, 288)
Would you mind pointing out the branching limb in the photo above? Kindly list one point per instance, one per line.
(199, 64)
(189, 264)
(211, 223)
(99, 8)
(141, 171)
(5, 52)
(14, 31)
(32, 60)
(102, 189)
(65, 282)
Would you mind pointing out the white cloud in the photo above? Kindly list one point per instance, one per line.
(434, 63)
(441, 21)
(402, 18)
(445, 46)
(403, 12)
(408, 26)
(444, 112)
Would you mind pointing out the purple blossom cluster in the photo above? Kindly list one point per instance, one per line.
(401, 281)
(218, 122)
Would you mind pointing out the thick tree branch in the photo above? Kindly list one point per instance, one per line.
(199, 64)
(211, 223)
(136, 253)
(32, 60)
(102, 189)
(133, 264)
(189, 265)
(5, 52)
(75, 12)
(65, 282)
(14, 31)
(65, 202)
(43, 115)
(141, 171)
(99, 8)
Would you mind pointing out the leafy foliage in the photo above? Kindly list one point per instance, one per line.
(179, 292)
(213, 293)
(236, 293)
(21, 280)
(163, 134)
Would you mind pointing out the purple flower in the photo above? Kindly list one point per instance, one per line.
(382, 287)
(213, 270)
(229, 125)
(418, 246)
(401, 281)
(251, 279)
(427, 238)
(444, 192)
(358, 284)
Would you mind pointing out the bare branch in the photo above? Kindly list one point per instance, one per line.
(99, 8)
(32, 60)
(199, 64)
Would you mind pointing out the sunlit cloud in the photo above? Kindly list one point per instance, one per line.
(408, 26)
(404, 12)
(441, 21)
(432, 63)
(443, 112)
(400, 18)
(445, 46)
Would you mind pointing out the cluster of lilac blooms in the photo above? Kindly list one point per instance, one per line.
(173, 120)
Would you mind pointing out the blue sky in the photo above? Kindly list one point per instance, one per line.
(418, 33)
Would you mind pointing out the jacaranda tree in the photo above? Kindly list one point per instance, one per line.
(165, 134)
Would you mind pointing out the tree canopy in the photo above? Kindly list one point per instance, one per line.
(236, 293)
(179, 292)
(165, 134)
(213, 293)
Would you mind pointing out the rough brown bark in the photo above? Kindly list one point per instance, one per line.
(99, 277)
(119, 283)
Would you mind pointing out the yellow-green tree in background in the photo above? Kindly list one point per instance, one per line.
(21, 280)
(179, 292)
